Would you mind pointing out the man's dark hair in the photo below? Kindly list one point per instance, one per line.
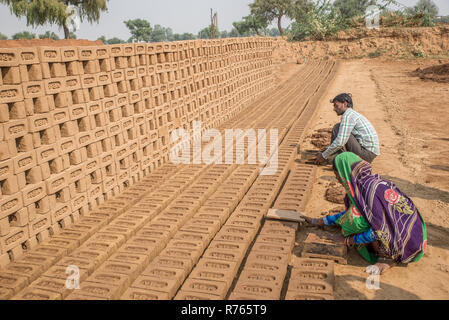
(344, 97)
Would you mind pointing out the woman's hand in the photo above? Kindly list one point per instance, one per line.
(314, 222)
(349, 242)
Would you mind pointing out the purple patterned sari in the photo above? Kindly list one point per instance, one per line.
(392, 215)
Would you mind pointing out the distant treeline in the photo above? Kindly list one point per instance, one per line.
(311, 19)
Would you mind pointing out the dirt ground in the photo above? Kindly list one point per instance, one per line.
(411, 117)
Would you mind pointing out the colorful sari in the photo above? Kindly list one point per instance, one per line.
(376, 203)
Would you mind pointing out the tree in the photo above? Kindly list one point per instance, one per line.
(115, 40)
(205, 33)
(269, 10)
(3, 37)
(427, 7)
(250, 25)
(187, 36)
(40, 12)
(72, 35)
(321, 22)
(103, 39)
(49, 35)
(140, 30)
(273, 32)
(24, 35)
(159, 34)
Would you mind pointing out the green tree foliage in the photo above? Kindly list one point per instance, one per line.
(269, 10)
(301, 8)
(251, 25)
(205, 33)
(40, 12)
(103, 39)
(321, 22)
(353, 8)
(3, 37)
(24, 35)
(49, 35)
(140, 30)
(72, 35)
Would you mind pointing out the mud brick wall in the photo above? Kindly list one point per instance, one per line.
(80, 124)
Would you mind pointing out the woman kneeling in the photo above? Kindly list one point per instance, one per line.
(380, 220)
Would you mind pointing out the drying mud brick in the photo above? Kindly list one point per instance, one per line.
(267, 290)
(217, 288)
(311, 286)
(100, 291)
(13, 282)
(216, 270)
(169, 286)
(142, 294)
(37, 294)
(325, 247)
(117, 279)
(85, 145)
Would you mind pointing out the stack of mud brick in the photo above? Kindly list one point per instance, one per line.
(78, 125)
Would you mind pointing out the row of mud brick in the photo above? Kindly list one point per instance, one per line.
(79, 125)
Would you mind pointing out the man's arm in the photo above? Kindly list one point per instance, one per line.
(346, 126)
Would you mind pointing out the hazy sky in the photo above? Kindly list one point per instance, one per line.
(180, 15)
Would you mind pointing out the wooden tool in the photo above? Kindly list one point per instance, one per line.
(287, 215)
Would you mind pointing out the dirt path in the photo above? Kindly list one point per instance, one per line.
(411, 118)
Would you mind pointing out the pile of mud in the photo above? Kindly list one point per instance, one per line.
(335, 193)
(321, 138)
(48, 43)
(439, 73)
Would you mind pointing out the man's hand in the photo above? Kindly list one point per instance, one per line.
(320, 160)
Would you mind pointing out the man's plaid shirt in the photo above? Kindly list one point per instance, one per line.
(355, 123)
